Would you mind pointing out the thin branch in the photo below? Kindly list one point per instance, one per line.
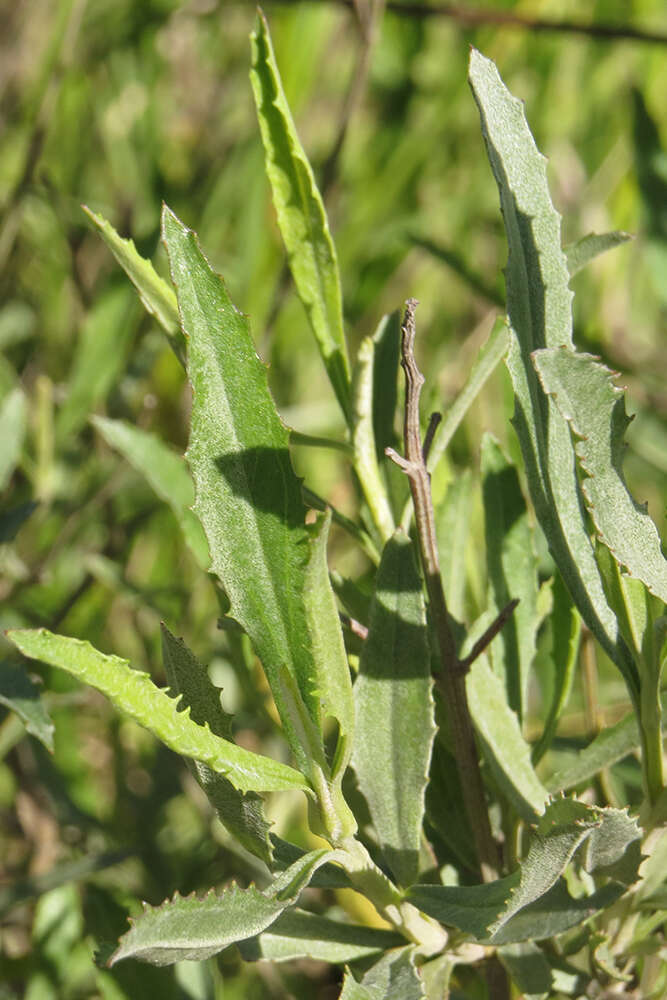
(433, 424)
(451, 679)
(490, 634)
(477, 17)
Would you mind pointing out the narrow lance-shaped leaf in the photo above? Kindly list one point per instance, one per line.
(243, 815)
(247, 495)
(363, 439)
(13, 414)
(165, 471)
(133, 692)
(539, 311)
(195, 929)
(512, 572)
(505, 749)
(299, 934)
(588, 247)
(394, 709)
(301, 215)
(156, 295)
(585, 394)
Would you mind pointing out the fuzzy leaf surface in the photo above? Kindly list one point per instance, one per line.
(243, 815)
(540, 315)
(299, 934)
(247, 495)
(166, 473)
(483, 910)
(157, 296)
(18, 693)
(363, 438)
(194, 929)
(508, 754)
(133, 692)
(579, 254)
(394, 709)
(394, 977)
(585, 394)
(301, 215)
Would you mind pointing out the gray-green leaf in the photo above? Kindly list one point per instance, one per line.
(394, 709)
(588, 247)
(539, 311)
(585, 394)
(299, 934)
(195, 929)
(18, 693)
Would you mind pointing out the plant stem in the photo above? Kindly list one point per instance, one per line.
(451, 680)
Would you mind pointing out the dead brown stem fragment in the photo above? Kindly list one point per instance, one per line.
(451, 679)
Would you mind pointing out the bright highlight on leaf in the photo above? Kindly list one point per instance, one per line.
(133, 692)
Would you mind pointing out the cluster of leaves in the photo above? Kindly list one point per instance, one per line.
(565, 861)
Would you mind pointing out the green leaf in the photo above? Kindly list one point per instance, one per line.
(298, 934)
(195, 929)
(243, 815)
(540, 315)
(613, 744)
(555, 912)
(512, 572)
(13, 419)
(99, 357)
(247, 496)
(452, 525)
(133, 692)
(155, 293)
(588, 247)
(22, 891)
(565, 626)
(11, 520)
(505, 749)
(394, 709)
(585, 394)
(352, 990)
(301, 215)
(483, 910)
(490, 355)
(363, 438)
(18, 693)
(166, 473)
(386, 359)
(528, 967)
(394, 977)
(332, 680)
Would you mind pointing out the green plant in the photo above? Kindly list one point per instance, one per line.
(469, 855)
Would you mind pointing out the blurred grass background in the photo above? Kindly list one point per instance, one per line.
(120, 105)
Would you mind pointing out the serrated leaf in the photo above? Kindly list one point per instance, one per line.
(540, 315)
(166, 473)
(301, 215)
(483, 910)
(13, 420)
(585, 394)
(394, 709)
(579, 254)
(155, 293)
(512, 572)
(505, 749)
(247, 496)
(195, 929)
(243, 815)
(99, 357)
(18, 693)
(299, 934)
(611, 745)
(555, 912)
(614, 848)
(133, 692)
